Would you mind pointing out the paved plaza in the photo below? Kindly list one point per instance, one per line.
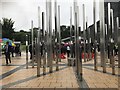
(15, 75)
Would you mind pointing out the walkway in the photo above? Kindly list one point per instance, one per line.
(17, 76)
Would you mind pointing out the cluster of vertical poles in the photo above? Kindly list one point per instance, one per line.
(107, 37)
(52, 38)
(49, 39)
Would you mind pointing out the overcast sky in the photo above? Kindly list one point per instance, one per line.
(23, 11)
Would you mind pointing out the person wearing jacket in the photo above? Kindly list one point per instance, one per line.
(7, 52)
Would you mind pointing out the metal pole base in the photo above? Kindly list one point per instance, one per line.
(50, 71)
(104, 71)
(57, 69)
(44, 73)
(38, 75)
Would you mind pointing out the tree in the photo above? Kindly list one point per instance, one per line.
(7, 28)
(21, 36)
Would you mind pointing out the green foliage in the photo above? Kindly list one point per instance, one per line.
(34, 31)
(21, 36)
(7, 28)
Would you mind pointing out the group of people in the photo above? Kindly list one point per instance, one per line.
(66, 49)
(10, 50)
(69, 49)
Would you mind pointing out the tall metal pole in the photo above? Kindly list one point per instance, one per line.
(112, 22)
(77, 39)
(56, 36)
(95, 36)
(75, 24)
(26, 51)
(43, 26)
(59, 32)
(102, 34)
(106, 44)
(112, 42)
(50, 36)
(47, 32)
(32, 33)
(36, 50)
(44, 52)
(55, 18)
(40, 36)
(76, 44)
(84, 33)
(79, 51)
(118, 41)
(89, 43)
(71, 31)
(38, 45)
(87, 39)
(109, 31)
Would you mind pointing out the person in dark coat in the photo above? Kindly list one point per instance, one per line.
(12, 50)
(73, 50)
(7, 52)
(17, 49)
(30, 50)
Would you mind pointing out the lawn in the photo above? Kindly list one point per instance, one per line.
(23, 47)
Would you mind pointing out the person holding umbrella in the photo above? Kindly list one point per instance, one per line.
(7, 52)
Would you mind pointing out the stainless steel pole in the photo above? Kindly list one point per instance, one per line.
(89, 44)
(106, 44)
(84, 33)
(95, 36)
(102, 34)
(90, 47)
(71, 31)
(50, 36)
(32, 33)
(118, 42)
(112, 43)
(56, 36)
(109, 19)
(36, 49)
(109, 32)
(44, 52)
(47, 32)
(43, 26)
(26, 51)
(79, 51)
(38, 53)
(75, 24)
(38, 45)
(59, 32)
(87, 39)
(76, 44)
(112, 23)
